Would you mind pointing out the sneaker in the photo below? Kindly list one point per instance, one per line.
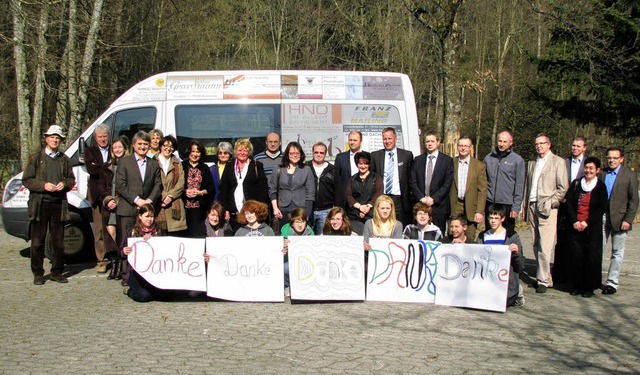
(519, 301)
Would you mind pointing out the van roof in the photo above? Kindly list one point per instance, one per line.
(270, 84)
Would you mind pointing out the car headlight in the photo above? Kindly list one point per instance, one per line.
(12, 189)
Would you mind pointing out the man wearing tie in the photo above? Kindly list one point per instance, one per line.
(468, 193)
(394, 165)
(94, 158)
(431, 180)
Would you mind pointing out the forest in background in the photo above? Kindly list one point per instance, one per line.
(477, 66)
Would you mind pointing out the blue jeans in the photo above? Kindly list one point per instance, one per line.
(618, 240)
(319, 217)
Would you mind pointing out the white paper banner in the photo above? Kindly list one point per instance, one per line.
(170, 262)
(326, 268)
(475, 276)
(401, 270)
(246, 268)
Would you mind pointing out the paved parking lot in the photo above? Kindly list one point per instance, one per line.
(89, 327)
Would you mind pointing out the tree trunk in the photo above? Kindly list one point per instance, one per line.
(75, 126)
(78, 92)
(22, 83)
(72, 74)
(41, 52)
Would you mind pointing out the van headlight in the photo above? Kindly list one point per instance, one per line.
(12, 189)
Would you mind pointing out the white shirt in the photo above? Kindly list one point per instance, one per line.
(352, 161)
(533, 194)
(105, 153)
(575, 166)
(463, 172)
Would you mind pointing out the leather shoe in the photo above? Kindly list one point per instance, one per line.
(609, 290)
(587, 294)
(38, 280)
(59, 278)
(541, 289)
(575, 292)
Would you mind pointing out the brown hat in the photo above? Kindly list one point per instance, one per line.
(54, 130)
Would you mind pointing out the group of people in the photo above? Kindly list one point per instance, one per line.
(384, 194)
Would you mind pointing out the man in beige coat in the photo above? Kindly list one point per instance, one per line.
(547, 182)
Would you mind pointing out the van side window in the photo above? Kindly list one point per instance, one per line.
(131, 121)
(212, 124)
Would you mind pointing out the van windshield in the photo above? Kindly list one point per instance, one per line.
(212, 124)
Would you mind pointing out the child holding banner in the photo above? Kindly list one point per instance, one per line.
(424, 230)
(298, 222)
(497, 234)
(337, 223)
(252, 217)
(384, 223)
(139, 289)
(457, 228)
(215, 224)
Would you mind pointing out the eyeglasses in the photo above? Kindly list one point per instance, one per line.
(169, 147)
(613, 157)
(223, 153)
(541, 143)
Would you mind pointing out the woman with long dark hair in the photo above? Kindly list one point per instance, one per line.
(109, 199)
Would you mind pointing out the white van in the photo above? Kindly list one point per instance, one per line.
(215, 106)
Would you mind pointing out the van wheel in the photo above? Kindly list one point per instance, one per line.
(78, 241)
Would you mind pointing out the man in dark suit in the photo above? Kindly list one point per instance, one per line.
(394, 165)
(431, 180)
(137, 182)
(468, 193)
(622, 188)
(346, 165)
(94, 158)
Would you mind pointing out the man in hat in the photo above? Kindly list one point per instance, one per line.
(48, 177)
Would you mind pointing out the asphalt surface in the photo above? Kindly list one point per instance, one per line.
(89, 327)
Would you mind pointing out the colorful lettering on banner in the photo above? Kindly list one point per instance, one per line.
(245, 268)
(475, 276)
(402, 270)
(170, 262)
(326, 268)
